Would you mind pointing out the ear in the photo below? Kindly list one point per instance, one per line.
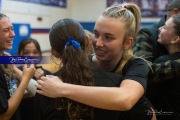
(175, 11)
(54, 53)
(176, 39)
(128, 43)
(87, 41)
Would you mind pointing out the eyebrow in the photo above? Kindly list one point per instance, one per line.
(7, 27)
(103, 33)
(109, 34)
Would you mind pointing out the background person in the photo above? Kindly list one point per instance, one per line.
(165, 95)
(89, 48)
(10, 94)
(30, 47)
(146, 46)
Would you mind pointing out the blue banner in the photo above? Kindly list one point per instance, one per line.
(57, 3)
(25, 59)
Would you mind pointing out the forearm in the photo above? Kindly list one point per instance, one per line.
(15, 100)
(111, 98)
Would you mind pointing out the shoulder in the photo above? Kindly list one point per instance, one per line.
(136, 61)
(137, 69)
(46, 72)
(149, 30)
(7, 54)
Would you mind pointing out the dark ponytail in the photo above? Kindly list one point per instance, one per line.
(76, 68)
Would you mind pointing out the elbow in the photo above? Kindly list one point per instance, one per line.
(126, 104)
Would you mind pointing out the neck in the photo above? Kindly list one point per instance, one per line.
(173, 49)
(106, 65)
(1, 53)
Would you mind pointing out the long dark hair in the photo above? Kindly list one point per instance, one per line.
(26, 41)
(76, 68)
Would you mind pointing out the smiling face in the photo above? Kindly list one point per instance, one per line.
(108, 39)
(6, 34)
(167, 34)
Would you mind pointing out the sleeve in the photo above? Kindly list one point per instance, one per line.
(137, 69)
(31, 86)
(165, 68)
(3, 98)
(46, 72)
(143, 46)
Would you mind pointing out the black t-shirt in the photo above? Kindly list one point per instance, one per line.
(27, 104)
(141, 110)
(5, 95)
(45, 110)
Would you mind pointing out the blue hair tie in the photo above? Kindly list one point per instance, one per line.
(73, 42)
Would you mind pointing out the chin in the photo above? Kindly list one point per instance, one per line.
(8, 48)
(100, 58)
(159, 40)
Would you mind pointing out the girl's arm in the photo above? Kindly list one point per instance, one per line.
(15, 99)
(112, 98)
(31, 85)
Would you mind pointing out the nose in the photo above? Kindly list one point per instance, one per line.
(160, 29)
(32, 54)
(99, 42)
(12, 33)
